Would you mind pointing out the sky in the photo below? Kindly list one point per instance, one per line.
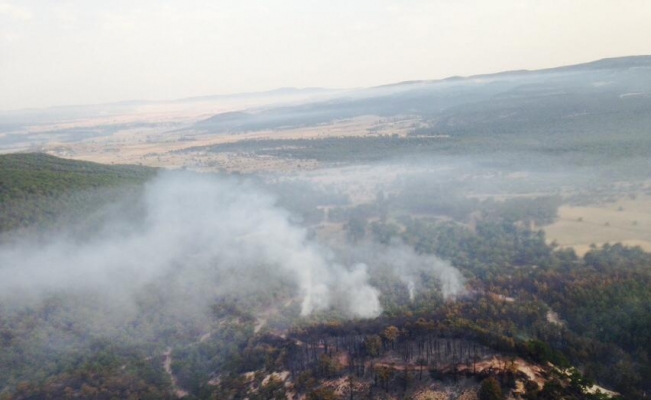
(65, 52)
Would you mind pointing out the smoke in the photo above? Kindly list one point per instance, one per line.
(412, 269)
(200, 237)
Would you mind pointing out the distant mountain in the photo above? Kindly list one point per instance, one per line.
(643, 61)
(15, 119)
(565, 99)
(280, 92)
(606, 63)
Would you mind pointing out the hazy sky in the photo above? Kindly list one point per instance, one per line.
(57, 52)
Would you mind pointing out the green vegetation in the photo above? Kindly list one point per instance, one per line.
(490, 390)
(514, 279)
(38, 189)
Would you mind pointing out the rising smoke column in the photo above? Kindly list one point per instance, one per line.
(210, 233)
(409, 267)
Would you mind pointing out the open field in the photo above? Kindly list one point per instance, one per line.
(627, 221)
(154, 138)
(159, 147)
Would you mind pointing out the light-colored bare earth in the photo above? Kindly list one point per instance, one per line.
(167, 365)
(167, 145)
(554, 318)
(501, 297)
(281, 376)
(341, 386)
(596, 388)
(260, 322)
(431, 394)
(533, 372)
(628, 221)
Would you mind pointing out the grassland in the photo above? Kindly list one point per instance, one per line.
(627, 221)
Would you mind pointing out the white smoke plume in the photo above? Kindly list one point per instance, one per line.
(409, 267)
(209, 235)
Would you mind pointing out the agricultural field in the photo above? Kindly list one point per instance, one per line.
(626, 221)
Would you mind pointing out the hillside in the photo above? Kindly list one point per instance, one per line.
(552, 100)
(38, 189)
(304, 200)
(505, 311)
(413, 266)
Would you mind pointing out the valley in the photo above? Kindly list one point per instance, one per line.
(425, 240)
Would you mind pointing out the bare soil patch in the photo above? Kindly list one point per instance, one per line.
(628, 221)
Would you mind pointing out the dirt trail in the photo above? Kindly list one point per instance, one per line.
(167, 364)
(259, 324)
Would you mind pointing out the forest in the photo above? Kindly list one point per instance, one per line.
(41, 191)
(576, 320)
